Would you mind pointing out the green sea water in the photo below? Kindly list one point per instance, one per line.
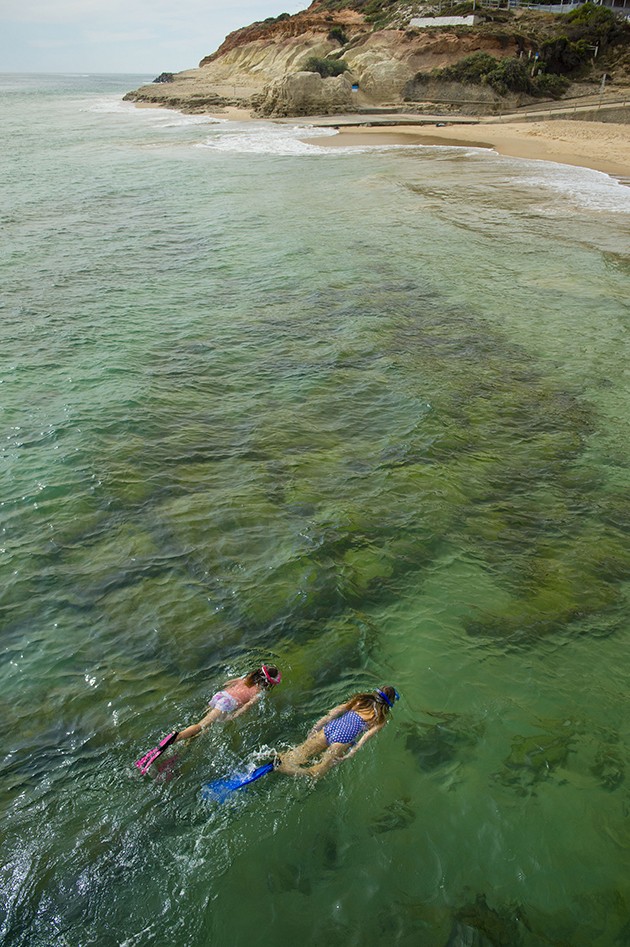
(362, 413)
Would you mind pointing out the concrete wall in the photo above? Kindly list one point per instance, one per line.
(440, 21)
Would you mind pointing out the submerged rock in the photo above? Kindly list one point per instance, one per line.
(463, 935)
(478, 925)
(533, 759)
(368, 567)
(317, 655)
(397, 815)
(609, 766)
(436, 744)
(282, 878)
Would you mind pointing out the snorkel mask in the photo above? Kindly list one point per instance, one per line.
(268, 676)
(384, 699)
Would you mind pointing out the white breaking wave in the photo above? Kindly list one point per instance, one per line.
(262, 138)
(583, 187)
(267, 138)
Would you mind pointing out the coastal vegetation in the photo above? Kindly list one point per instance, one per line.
(589, 29)
(325, 66)
(503, 76)
(549, 53)
(338, 33)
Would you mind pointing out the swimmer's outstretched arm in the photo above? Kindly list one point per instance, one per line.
(335, 712)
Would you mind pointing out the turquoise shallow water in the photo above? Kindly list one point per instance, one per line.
(361, 413)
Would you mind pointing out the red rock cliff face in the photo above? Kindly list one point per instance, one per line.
(310, 22)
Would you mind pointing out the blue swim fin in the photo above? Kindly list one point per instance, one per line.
(219, 789)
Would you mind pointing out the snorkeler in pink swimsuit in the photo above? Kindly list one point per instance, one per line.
(236, 696)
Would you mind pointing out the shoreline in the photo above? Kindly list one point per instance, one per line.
(600, 146)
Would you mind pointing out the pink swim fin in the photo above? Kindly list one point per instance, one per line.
(145, 761)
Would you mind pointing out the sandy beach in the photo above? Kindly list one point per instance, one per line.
(601, 146)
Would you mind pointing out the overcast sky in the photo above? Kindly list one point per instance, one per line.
(144, 36)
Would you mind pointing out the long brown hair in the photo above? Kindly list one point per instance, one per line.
(374, 703)
(259, 678)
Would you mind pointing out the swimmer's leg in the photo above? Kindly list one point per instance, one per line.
(195, 729)
(294, 758)
(333, 754)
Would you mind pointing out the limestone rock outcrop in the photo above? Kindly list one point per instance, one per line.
(305, 93)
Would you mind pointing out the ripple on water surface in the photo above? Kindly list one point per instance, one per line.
(364, 416)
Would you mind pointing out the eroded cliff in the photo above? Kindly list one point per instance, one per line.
(380, 63)
(265, 66)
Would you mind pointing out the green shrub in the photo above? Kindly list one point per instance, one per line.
(473, 69)
(503, 76)
(378, 12)
(325, 66)
(592, 25)
(509, 75)
(337, 33)
(550, 85)
(562, 55)
(596, 18)
(277, 19)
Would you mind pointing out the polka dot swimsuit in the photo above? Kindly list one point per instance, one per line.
(345, 729)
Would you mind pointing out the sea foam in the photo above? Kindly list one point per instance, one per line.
(265, 138)
(582, 187)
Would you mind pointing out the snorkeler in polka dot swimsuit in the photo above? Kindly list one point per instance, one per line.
(339, 734)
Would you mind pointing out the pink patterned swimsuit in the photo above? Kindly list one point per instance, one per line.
(233, 696)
